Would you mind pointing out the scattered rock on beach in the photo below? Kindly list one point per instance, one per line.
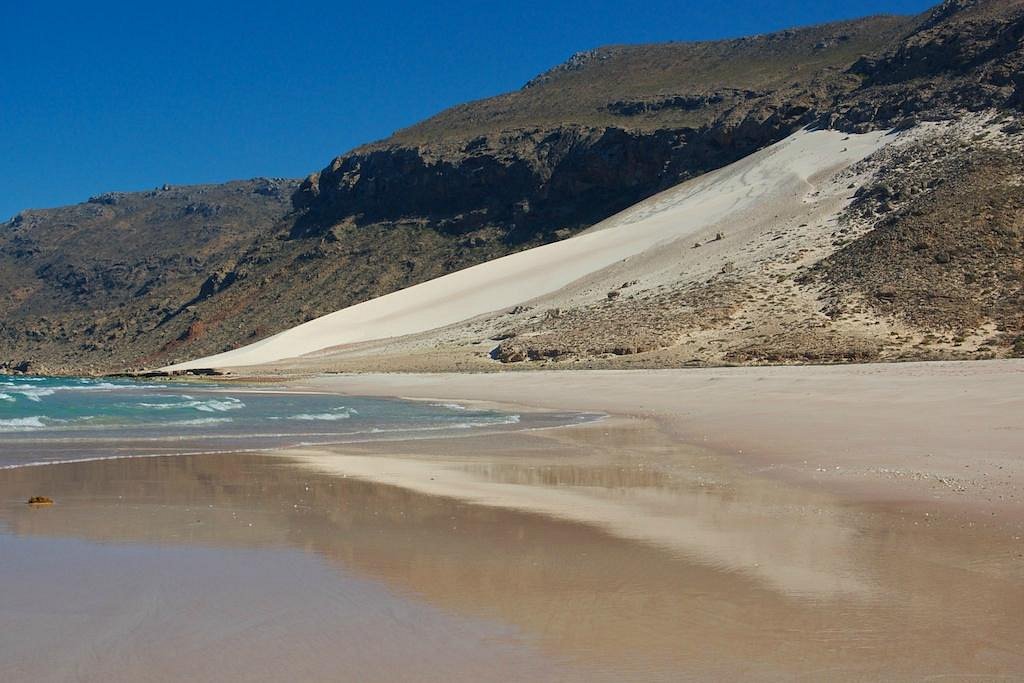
(40, 500)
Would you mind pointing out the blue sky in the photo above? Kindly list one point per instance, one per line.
(126, 96)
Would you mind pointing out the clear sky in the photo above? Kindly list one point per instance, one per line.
(99, 96)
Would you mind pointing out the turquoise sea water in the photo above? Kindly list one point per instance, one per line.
(45, 420)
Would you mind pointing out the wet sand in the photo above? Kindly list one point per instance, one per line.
(608, 551)
(857, 523)
(947, 434)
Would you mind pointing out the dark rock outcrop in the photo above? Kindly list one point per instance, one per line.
(529, 184)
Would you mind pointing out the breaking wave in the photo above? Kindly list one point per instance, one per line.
(199, 421)
(21, 424)
(34, 394)
(450, 406)
(212, 405)
(336, 414)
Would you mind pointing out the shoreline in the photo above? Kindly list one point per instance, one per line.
(930, 433)
(916, 440)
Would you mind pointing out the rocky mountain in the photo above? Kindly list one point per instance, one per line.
(141, 279)
(596, 134)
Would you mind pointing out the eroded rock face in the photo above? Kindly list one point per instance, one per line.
(529, 184)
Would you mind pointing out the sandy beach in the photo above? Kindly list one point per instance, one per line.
(946, 433)
(710, 527)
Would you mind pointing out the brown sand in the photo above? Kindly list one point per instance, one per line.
(630, 549)
(948, 432)
(249, 568)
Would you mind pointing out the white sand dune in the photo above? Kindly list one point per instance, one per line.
(760, 179)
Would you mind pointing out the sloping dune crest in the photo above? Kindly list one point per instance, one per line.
(767, 177)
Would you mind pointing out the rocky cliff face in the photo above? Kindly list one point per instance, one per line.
(528, 184)
(533, 184)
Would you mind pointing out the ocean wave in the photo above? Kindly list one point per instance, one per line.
(21, 424)
(198, 421)
(37, 393)
(449, 406)
(506, 420)
(7, 397)
(34, 394)
(18, 424)
(336, 414)
(92, 386)
(213, 405)
(160, 406)
(218, 405)
(320, 416)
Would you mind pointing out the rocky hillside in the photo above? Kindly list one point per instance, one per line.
(966, 55)
(925, 262)
(106, 280)
(132, 280)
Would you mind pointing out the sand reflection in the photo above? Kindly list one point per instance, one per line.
(617, 560)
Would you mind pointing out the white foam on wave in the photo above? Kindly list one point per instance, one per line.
(449, 406)
(199, 421)
(213, 405)
(34, 394)
(505, 420)
(320, 416)
(337, 414)
(218, 405)
(33, 422)
(21, 424)
(98, 386)
(11, 390)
